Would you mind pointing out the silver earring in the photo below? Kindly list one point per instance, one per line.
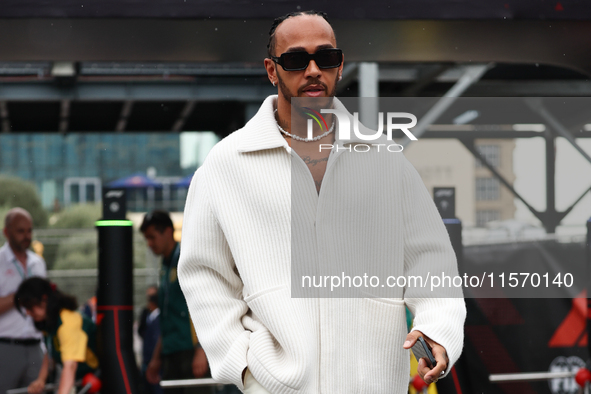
(273, 83)
(340, 77)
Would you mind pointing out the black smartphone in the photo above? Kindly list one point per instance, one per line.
(422, 350)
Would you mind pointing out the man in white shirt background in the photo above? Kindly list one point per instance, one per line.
(21, 354)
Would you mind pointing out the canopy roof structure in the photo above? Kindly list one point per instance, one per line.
(136, 181)
(252, 9)
(517, 32)
(185, 182)
(198, 65)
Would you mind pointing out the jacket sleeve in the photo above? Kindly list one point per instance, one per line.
(427, 252)
(212, 287)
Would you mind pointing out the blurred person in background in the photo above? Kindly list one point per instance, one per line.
(177, 354)
(149, 331)
(89, 307)
(21, 352)
(71, 334)
(151, 306)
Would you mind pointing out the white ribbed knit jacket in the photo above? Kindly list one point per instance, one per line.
(235, 266)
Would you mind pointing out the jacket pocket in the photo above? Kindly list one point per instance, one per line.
(385, 362)
(261, 293)
(388, 301)
(280, 352)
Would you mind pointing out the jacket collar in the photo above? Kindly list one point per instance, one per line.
(261, 131)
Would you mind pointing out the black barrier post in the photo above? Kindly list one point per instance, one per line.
(115, 296)
(445, 201)
(454, 229)
(456, 380)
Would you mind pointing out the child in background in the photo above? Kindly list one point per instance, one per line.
(72, 336)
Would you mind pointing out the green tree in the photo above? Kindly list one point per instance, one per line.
(78, 249)
(77, 216)
(15, 192)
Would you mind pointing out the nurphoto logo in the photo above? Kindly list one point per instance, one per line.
(345, 128)
(315, 115)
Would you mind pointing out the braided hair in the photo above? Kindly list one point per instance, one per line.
(279, 20)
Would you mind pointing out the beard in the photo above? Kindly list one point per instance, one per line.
(19, 246)
(288, 94)
(314, 102)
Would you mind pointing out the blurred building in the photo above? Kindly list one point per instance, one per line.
(494, 202)
(70, 168)
(480, 197)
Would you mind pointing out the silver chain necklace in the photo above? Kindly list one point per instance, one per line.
(295, 137)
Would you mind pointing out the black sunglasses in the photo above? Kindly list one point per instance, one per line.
(297, 61)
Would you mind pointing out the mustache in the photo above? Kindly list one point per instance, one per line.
(313, 82)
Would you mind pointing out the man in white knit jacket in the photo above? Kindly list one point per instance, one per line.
(254, 190)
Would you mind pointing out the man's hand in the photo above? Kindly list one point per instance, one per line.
(153, 371)
(427, 374)
(36, 387)
(200, 365)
